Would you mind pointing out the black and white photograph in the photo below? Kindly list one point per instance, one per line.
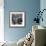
(17, 19)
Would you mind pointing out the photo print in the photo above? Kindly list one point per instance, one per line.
(17, 19)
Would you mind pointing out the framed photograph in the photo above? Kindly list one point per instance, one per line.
(17, 19)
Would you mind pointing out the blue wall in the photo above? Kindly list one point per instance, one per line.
(43, 6)
(29, 7)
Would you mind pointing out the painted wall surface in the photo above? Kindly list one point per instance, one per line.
(43, 6)
(30, 7)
